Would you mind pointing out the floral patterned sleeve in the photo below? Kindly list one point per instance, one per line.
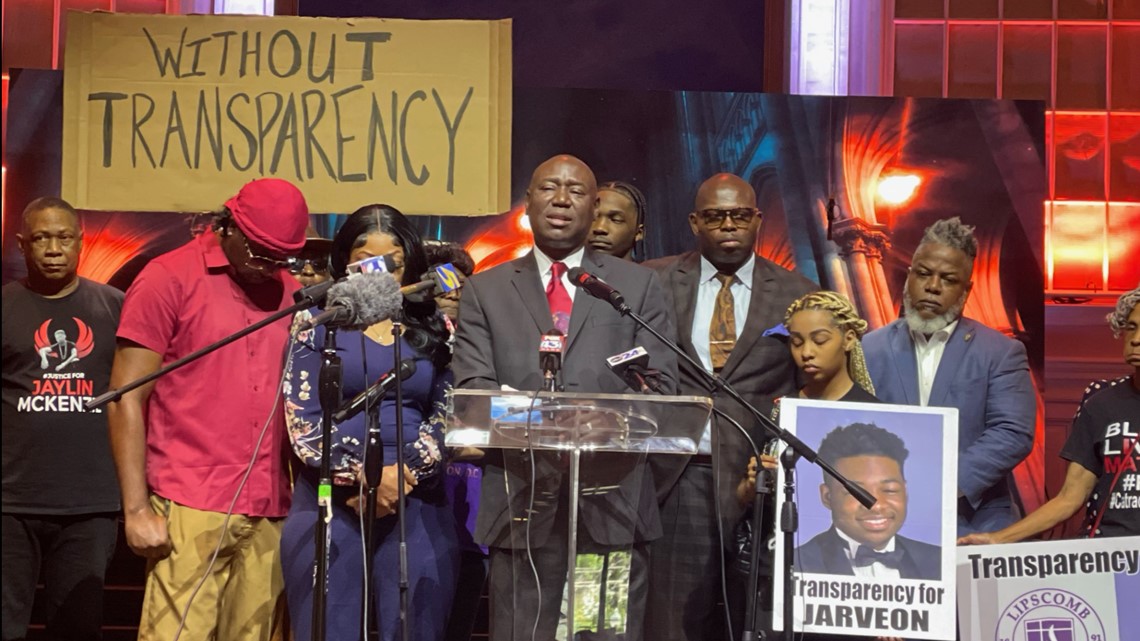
(426, 454)
(302, 401)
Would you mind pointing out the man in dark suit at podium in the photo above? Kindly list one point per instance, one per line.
(865, 542)
(504, 313)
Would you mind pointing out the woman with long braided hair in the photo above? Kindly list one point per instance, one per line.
(824, 335)
(824, 332)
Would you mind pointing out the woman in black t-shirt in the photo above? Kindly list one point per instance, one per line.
(1102, 450)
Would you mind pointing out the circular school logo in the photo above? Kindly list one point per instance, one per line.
(1049, 614)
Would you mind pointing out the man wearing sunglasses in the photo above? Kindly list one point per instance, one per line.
(311, 266)
(730, 305)
(200, 452)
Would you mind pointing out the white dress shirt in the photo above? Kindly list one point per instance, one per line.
(928, 354)
(877, 570)
(707, 289)
(546, 268)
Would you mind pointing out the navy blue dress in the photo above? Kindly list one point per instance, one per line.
(433, 551)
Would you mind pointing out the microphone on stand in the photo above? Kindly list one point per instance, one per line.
(633, 367)
(442, 278)
(598, 288)
(550, 358)
(359, 302)
(375, 392)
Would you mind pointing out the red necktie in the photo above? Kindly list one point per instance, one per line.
(558, 299)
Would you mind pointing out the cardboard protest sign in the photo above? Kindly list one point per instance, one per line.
(1076, 590)
(887, 571)
(176, 113)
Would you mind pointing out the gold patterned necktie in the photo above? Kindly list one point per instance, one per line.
(722, 330)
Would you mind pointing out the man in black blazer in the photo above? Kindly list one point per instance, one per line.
(865, 542)
(504, 313)
(754, 358)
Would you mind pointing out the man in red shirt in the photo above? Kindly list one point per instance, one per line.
(200, 452)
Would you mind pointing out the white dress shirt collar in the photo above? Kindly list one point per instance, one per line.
(545, 263)
(743, 275)
(928, 356)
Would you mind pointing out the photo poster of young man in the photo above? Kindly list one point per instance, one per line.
(883, 571)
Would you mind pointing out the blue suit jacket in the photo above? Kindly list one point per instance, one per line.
(824, 554)
(984, 374)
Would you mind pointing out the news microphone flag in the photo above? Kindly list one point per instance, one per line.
(385, 263)
(448, 277)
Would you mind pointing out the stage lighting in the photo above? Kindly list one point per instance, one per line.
(896, 189)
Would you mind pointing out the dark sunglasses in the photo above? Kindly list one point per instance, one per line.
(714, 218)
(319, 263)
(264, 260)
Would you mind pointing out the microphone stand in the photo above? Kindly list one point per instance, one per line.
(401, 498)
(373, 473)
(800, 448)
(752, 627)
(330, 396)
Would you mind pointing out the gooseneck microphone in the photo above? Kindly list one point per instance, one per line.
(360, 301)
(633, 367)
(375, 392)
(598, 288)
(550, 358)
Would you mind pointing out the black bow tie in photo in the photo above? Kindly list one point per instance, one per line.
(866, 556)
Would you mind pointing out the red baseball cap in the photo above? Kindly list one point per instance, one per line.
(272, 213)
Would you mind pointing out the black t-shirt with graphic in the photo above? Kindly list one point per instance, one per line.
(57, 355)
(1104, 442)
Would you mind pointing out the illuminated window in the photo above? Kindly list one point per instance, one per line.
(1077, 56)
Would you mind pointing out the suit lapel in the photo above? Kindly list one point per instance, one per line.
(903, 359)
(583, 302)
(834, 558)
(952, 358)
(908, 565)
(757, 320)
(528, 284)
(683, 282)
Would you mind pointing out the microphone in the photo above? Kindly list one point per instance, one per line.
(441, 278)
(313, 294)
(550, 357)
(598, 288)
(375, 392)
(633, 367)
(359, 302)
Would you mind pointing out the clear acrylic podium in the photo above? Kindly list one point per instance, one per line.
(568, 492)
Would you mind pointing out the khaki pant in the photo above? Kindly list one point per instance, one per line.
(240, 601)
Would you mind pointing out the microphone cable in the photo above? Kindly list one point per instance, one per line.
(529, 519)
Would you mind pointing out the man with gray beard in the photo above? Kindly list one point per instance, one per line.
(933, 356)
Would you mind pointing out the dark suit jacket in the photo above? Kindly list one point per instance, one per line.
(503, 314)
(824, 554)
(760, 368)
(984, 374)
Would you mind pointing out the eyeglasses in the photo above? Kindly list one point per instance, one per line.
(714, 218)
(318, 263)
(265, 260)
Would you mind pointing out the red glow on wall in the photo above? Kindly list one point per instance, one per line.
(105, 252)
(504, 238)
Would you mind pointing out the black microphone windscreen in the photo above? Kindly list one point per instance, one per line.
(372, 297)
